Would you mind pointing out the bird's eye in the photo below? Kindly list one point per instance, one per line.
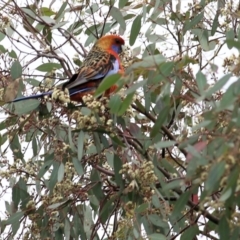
(117, 41)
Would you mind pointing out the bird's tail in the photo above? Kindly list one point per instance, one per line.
(40, 95)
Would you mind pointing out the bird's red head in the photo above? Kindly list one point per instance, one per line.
(111, 42)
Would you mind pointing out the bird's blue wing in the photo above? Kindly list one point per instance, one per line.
(40, 95)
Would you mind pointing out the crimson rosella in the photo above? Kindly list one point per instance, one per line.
(102, 60)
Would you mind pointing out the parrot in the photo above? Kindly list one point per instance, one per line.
(102, 60)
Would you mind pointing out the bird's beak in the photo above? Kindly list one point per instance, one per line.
(122, 48)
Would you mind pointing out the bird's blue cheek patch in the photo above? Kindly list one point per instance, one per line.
(117, 49)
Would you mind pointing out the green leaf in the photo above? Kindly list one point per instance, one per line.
(136, 26)
(159, 122)
(116, 140)
(58, 205)
(223, 228)
(166, 68)
(218, 86)
(230, 34)
(215, 24)
(54, 176)
(15, 227)
(202, 124)
(232, 43)
(13, 54)
(190, 233)
(48, 20)
(46, 11)
(59, 25)
(29, 12)
(147, 62)
(60, 12)
(61, 171)
(67, 229)
(229, 97)
(80, 145)
(107, 82)
(135, 86)
(88, 222)
(141, 208)
(48, 67)
(23, 107)
(169, 167)
(16, 70)
(106, 210)
(157, 236)
(173, 184)
(225, 195)
(190, 24)
(216, 172)
(180, 204)
(47, 33)
(93, 8)
(117, 15)
(78, 166)
(148, 228)
(233, 178)
(49, 106)
(97, 188)
(125, 104)
(45, 167)
(122, 3)
(2, 49)
(70, 139)
(97, 142)
(16, 195)
(32, 82)
(24, 195)
(156, 38)
(201, 81)
(164, 144)
(203, 39)
(157, 221)
(34, 146)
(2, 36)
(117, 167)
(110, 159)
(15, 217)
(115, 103)
(16, 147)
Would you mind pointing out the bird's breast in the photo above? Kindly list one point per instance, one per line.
(115, 67)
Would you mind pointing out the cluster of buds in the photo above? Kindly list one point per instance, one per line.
(126, 57)
(5, 22)
(32, 231)
(26, 170)
(60, 149)
(129, 208)
(67, 185)
(96, 114)
(232, 64)
(123, 225)
(85, 121)
(140, 178)
(235, 220)
(97, 105)
(61, 95)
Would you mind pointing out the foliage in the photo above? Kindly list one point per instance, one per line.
(156, 160)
